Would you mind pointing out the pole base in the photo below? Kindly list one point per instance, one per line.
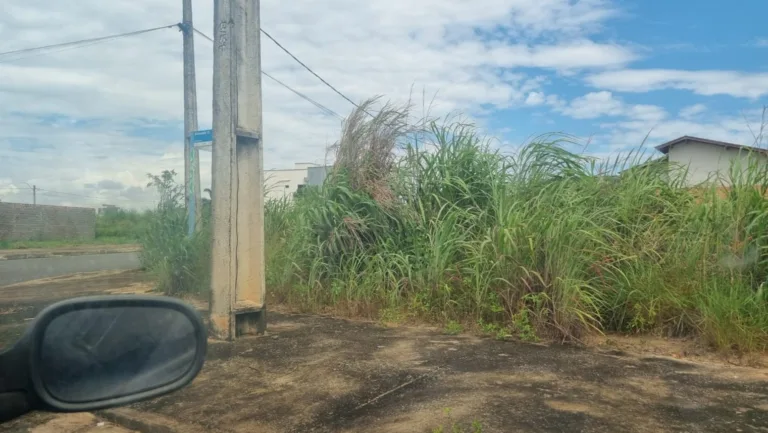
(251, 322)
(219, 329)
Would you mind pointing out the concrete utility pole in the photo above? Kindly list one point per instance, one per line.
(191, 156)
(237, 274)
(34, 192)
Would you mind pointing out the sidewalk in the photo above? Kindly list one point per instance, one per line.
(40, 253)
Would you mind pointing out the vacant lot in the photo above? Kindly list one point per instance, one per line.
(317, 374)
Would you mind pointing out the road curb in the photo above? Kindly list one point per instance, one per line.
(46, 255)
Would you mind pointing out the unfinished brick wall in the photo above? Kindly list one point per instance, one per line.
(26, 222)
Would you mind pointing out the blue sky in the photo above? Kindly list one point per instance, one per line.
(91, 122)
(680, 35)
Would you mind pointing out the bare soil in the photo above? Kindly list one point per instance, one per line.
(317, 374)
(320, 374)
(62, 423)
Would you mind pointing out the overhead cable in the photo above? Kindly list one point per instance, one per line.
(303, 96)
(74, 44)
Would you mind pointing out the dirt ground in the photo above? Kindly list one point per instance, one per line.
(63, 423)
(319, 374)
(19, 303)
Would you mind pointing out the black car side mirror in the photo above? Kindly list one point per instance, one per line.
(98, 352)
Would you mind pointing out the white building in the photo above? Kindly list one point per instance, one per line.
(284, 183)
(705, 159)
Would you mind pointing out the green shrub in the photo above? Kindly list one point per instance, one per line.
(180, 263)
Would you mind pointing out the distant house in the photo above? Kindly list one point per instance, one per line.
(705, 159)
(285, 183)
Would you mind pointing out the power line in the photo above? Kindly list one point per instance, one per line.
(50, 193)
(68, 193)
(86, 42)
(91, 41)
(311, 71)
(79, 43)
(61, 192)
(202, 34)
(316, 104)
(49, 52)
(303, 96)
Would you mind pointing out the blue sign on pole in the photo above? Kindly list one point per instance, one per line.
(201, 136)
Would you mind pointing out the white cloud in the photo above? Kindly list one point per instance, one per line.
(644, 112)
(556, 102)
(565, 56)
(624, 126)
(631, 132)
(95, 114)
(594, 105)
(692, 111)
(535, 98)
(7, 188)
(708, 83)
(89, 106)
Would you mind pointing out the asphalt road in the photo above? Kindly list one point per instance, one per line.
(16, 271)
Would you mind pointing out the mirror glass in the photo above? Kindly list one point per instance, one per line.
(106, 352)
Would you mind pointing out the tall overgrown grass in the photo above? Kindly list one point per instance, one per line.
(545, 241)
(437, 224)
(180, 263)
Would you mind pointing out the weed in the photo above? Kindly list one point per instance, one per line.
(477, 427)
(181, 263)
(390, 315)
(489, 328)
(453, 328)
(456, 427)
(523, 326)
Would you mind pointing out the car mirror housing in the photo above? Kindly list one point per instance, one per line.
(98, 352)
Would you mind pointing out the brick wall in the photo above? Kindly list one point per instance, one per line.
(22, 222)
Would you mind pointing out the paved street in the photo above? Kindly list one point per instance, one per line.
(16, 271)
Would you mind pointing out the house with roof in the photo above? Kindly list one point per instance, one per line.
(704, 159)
